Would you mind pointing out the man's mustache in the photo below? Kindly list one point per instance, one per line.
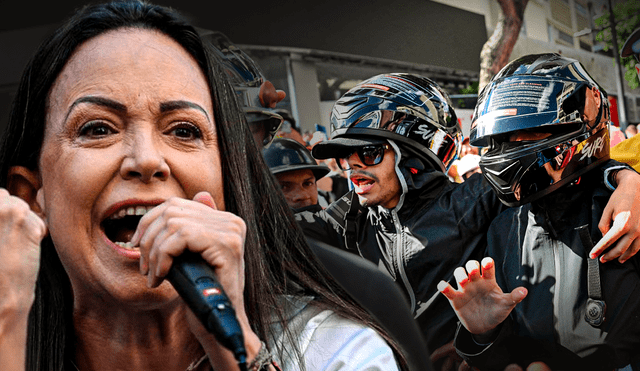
(354, 174)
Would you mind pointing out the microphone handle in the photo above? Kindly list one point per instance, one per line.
(198, 285)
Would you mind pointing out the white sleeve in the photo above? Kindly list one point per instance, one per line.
(331, 342)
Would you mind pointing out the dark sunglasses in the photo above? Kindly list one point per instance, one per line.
(369, 155)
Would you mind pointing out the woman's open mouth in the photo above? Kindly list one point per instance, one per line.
(120, 226)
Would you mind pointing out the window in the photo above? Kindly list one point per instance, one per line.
(580, 9)
(585, 46)
(561, 12)
(565, 37)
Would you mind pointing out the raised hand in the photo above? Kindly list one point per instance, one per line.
(21, 232)
(625, 241)
(479, 302)
(218, 236)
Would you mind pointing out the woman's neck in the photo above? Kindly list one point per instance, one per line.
(121, 337)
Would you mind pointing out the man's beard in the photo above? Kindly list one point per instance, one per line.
(365, 202)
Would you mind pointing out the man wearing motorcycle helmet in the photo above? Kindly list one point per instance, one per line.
(546, 124)
(256, 95)
(404, 125)
(296, 171)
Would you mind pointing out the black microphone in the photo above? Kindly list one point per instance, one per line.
(198, 285)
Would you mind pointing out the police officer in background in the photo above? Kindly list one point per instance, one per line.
(296, 171)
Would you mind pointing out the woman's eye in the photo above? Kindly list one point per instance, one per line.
(186, 131)
(95, 129)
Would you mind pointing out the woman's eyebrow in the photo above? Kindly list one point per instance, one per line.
(100, 101)
(181, 104)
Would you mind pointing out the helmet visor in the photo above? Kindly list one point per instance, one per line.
(525, 102)
(521, 172)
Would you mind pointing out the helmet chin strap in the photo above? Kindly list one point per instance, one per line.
(401, 178)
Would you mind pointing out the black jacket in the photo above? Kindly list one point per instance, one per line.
(436, 227)
(538, 246)
(439, 226)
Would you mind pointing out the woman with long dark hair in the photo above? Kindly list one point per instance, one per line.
(125, 148)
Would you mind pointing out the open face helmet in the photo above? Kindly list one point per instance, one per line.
(411, 110)
(257, 96)
(284, 155)
(545, 94)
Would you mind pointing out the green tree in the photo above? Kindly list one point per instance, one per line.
(627, 18)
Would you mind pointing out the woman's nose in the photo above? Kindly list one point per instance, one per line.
(145, 160)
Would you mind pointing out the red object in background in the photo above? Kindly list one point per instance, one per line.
(616, 135)
(613, 103)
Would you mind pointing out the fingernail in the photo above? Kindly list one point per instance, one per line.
(443, 287)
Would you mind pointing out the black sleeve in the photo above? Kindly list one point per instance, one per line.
(475, 204)
(608, 171)
(509, 348)
(319, 226)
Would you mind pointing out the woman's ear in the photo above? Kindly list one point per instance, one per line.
(25, 183)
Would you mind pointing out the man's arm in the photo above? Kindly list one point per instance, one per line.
(319, 226)
(625, 198)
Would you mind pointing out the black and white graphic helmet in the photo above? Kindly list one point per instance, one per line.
(544, 93)
(409, 109)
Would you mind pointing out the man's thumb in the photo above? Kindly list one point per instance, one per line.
(518, 294)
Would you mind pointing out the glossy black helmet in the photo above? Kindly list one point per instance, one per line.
(256, 96)
(285, 154)
(546, 94)
(409, 109)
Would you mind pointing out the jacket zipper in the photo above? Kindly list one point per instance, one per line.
(399, 261)
(559, 282)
